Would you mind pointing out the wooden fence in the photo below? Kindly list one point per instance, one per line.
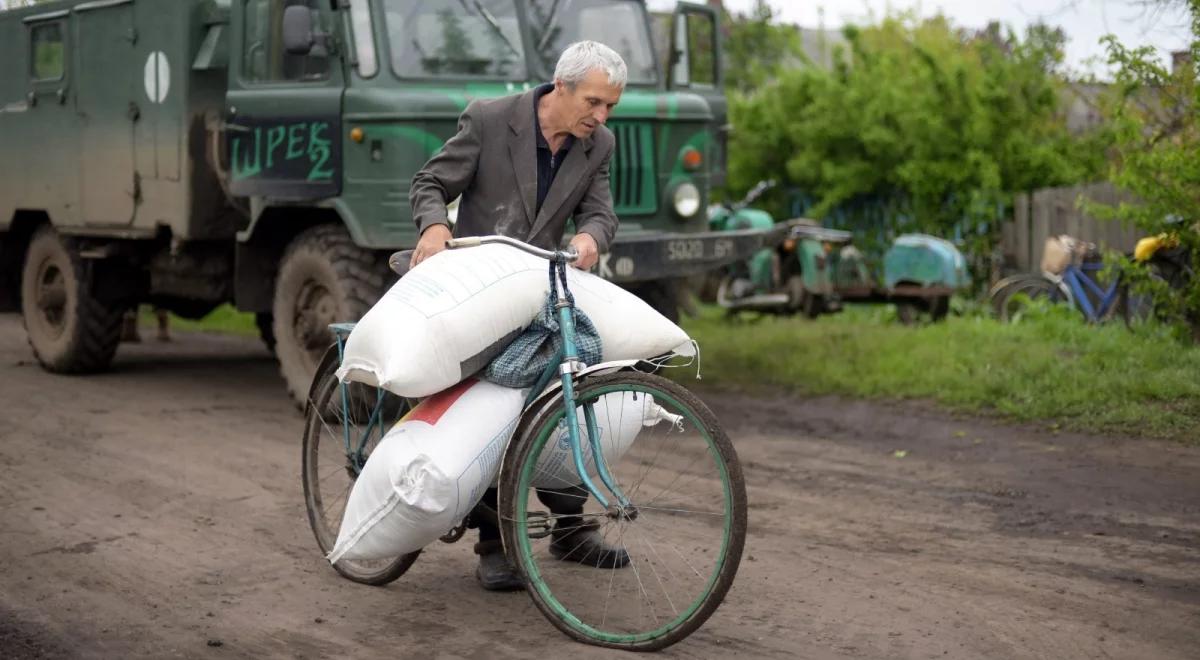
(1053, 211)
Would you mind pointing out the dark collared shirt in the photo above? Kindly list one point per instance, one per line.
(547, 163)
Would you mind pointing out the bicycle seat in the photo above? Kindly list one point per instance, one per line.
(399, 262)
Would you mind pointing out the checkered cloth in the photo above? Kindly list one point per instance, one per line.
(520, 364)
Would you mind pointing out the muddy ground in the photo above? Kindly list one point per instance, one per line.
(156, 511)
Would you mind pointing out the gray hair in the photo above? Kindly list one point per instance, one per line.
(581, 57)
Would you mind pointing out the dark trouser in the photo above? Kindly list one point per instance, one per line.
(565, 501)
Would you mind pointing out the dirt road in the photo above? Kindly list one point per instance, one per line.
(156, 511)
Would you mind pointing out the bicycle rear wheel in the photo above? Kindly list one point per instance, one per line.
(684, 537)
(1012, 299)
(363, 416)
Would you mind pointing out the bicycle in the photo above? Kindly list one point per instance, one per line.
(676, 502)
(1077, 285)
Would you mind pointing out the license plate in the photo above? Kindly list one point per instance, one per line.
(697, 249)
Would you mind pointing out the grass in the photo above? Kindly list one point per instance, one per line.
(1049, 366)
(224, 319)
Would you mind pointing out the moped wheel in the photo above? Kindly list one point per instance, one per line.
(364, 415)
(683, 532)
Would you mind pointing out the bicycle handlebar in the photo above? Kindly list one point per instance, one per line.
(475, 241)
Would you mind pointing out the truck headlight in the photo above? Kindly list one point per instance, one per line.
(686, 199)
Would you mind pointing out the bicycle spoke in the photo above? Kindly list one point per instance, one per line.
(638, 577)
(643, 507)
(678, 552)
(659, 579)
(341, 496)
(680, 475)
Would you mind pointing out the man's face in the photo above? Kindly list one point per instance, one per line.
(589, 104)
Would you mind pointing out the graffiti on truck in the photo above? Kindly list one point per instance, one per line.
(280, 150)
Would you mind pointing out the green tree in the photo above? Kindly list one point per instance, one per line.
(1157, 159)
(929, 127)
(756, 47)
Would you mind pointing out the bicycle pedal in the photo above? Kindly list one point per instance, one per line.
(537, 524)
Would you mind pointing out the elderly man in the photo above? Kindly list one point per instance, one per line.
(524, 164)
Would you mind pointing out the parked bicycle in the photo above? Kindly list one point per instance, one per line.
(676, 500)
(1081, 282)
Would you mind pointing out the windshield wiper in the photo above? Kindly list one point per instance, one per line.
(487, 16)
(546, 31)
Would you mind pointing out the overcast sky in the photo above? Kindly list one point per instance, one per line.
(1084, 21)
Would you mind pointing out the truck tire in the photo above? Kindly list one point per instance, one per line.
(69, 330)
(323, 278)
(939, 307)
(908, 311)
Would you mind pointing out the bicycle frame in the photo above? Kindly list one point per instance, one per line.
(355, 454)
(567, 368)
(1078, 284)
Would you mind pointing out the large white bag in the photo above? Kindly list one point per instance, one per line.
(428, 472)
(620, 417)
(432, 468)
(456, 311)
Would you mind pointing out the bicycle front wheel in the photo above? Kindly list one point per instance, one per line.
(342, 426)
(683, 534)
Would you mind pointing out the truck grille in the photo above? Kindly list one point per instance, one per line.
(631, 171)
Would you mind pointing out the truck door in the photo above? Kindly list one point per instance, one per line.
(106, 102)
(46, 135)
(283, 108)
(694, 65)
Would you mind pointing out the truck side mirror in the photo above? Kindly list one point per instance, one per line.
(298, 37)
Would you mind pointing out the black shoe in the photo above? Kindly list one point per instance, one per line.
(494, 572)
(584, 544)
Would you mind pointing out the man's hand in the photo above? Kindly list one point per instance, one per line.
(433, 240)
(585, 245)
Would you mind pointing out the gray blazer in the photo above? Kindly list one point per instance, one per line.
(492, 163)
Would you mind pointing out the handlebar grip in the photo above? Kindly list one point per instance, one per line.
(469, 241)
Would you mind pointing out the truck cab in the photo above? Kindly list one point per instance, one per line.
(260, 152)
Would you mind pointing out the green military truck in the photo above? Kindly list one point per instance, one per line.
(190, 153)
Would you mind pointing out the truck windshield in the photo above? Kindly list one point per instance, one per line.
(455, 39)
(619, 24)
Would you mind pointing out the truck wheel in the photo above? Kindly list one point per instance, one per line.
(663, 296)
(69, 330)
(323, 278)
(908, 311)
(939, 307)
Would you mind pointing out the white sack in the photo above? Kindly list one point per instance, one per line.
(456, 311)
(428, 472)
(431, 469)
(620, 416)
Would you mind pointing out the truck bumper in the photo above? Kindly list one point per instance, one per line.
(653, 256)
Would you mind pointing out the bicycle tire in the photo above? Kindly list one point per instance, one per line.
(323, 412)
(999, 290)
(1034, 286)
(521, 465)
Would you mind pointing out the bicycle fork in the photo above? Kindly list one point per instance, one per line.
(571, 365)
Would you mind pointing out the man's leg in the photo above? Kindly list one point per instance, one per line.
(576, 538)
(164, 332)
(495, 572)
